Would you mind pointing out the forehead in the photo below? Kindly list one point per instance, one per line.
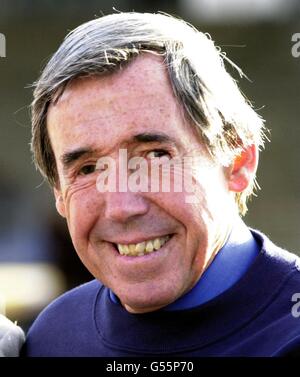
(138, 98)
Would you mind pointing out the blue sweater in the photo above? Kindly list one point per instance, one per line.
(252, 318)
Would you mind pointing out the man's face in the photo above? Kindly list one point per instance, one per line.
(132, 110)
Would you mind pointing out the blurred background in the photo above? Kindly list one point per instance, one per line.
(37, 261)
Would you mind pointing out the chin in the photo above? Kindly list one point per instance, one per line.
(145, 307)
(143, 301)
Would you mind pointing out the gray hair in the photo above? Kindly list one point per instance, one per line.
(210, 97)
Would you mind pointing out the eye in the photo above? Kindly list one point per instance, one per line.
(158, 153)
(87, 169)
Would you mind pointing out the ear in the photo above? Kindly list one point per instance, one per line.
(59, 202)
(243, 169)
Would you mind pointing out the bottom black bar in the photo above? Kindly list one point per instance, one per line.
(150, 366)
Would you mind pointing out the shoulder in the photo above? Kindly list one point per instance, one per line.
(76, 298)
(288, 261)
(281, 267)
(58, 322)
(282, 314)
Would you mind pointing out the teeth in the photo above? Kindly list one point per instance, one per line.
(120, 248)
(142, 248)
(149, 247)
(131, 249)
(156, 244)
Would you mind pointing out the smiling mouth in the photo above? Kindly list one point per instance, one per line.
(142, 248)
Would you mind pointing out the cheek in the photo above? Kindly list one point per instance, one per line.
(211, 189)
(83, 208)
(195, 238)
(194, 219)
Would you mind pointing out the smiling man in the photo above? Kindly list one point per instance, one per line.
(176, 271)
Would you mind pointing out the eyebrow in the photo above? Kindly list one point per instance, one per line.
(149, 137)
(69, 158)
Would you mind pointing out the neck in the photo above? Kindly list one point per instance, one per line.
(220, 239)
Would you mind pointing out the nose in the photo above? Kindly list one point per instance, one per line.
(123, 206)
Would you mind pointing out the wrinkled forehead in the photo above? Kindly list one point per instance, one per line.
(138, 98)
(144, 78)
(144, 69)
